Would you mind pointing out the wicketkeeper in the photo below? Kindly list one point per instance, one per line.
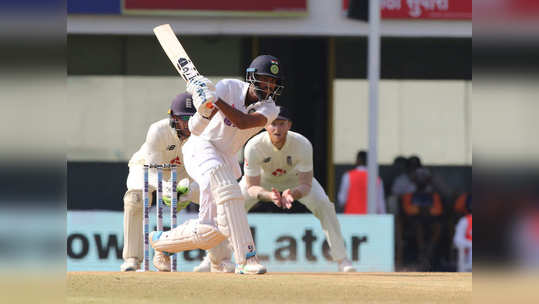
(163, 144)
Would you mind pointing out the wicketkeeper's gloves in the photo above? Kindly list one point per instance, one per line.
(181, 190)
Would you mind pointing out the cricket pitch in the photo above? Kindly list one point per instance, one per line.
(188, 287)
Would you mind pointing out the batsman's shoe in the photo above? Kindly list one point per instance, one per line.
(346, 266)
(161, 261)
(225, 266)
(251, 266)
(130, 264)
(207, 266)
(204, 266)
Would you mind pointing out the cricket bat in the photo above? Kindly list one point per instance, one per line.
(175, 52)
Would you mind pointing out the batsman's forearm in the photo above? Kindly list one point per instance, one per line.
(238, 118)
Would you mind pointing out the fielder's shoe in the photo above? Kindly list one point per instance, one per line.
(130, 264)
(346, 266)
(161, 261)
(251, 266)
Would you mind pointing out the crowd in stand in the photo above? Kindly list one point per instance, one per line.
(433, 223)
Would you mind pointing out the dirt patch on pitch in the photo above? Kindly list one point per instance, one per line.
(116, 287)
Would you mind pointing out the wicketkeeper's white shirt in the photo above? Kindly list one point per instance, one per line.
(162, 146)
(282, 166)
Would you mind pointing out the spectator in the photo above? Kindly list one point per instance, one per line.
(353, 191)
(463, 204)
(422, 210)
(403, 183)
(463, 234)
(397, 169)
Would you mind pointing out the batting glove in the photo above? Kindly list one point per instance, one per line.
(204, 95)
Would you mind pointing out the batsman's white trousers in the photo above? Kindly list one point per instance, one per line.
(200, 156)
(318, 203)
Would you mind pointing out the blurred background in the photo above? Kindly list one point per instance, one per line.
(119, 82)
(82, 80)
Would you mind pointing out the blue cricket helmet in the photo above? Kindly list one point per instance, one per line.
(266, 65)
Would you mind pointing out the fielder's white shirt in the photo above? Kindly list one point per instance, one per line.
(162, 146)
(226, 137)
(262, 158)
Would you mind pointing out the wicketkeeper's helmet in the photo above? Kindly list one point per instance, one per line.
(182, 107)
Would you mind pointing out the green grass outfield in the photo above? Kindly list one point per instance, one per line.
(280, 288)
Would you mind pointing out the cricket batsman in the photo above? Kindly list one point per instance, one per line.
(163, 144)
(228, 114)
(280, 160)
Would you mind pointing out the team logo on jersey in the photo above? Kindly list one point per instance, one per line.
(267, 159)
(228, 122)
(278, 172)
(171, 147)
(176, 161)
(289, 160)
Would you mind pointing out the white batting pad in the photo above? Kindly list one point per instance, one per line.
(133, 225)
(231, 214)
(188, 236)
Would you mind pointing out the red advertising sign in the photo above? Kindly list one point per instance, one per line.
(507, 9)
(217, 7)
(423, 9)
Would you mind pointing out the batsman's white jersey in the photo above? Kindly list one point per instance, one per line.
(279, 169)
(162, 146)
(221, 132)
(225, 139)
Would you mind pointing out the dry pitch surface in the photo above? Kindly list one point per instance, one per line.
(185, 287)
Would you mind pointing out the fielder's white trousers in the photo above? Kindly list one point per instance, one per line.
(317, 202)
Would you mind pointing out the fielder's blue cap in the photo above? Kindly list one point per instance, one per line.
(284, 114)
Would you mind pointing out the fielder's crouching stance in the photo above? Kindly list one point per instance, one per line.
(162, 146)
(228, 114)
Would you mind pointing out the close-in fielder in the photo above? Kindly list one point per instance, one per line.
(282, 160)
(163, 145)
(228, 114)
